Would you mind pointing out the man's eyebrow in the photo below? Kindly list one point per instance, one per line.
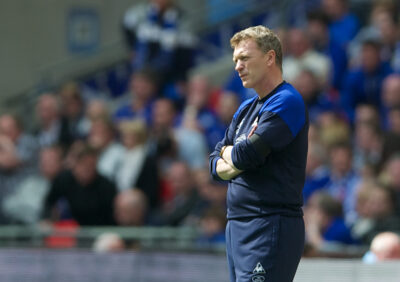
(238, 56)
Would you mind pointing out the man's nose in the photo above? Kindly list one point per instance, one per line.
(239, 65)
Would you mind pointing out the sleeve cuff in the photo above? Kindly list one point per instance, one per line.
(214, 169)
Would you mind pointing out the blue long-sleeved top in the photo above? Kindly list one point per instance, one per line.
(273, 183)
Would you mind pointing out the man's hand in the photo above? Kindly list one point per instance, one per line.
(227, 156)
(226, 171)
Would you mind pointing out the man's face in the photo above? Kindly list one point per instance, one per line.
(9, 128)
(85, 169)
(251, 63)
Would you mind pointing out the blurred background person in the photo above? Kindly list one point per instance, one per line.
(25, 204)
(109, 243)
(343, 180)
(325, 226)
(384, 247)
(212, 224)
(131, 208)
(89, 197)
(138, 167)
(72, 111)
(321, 40)
(185, 204)
(343, 25)
(301, 55)
(102, 138)
(53, 130)
(376, 212)
(18, 156)
(159, 36)
(143, 89)
(171, 140)
(363, 83)
(197, 115)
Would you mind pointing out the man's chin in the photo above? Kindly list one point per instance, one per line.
(246, 84)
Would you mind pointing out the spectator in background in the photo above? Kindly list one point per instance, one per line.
(318, 31)
(25, 204)
(138, 168)
(95, 109)
(102, 138)
(172, 141)
(109, 242)
(89, 195)
(185, 206)
(160, 37)
(18, 156)
(394, 121)
(393, 177)
(343, 179)
(381, 27)
(302, 56)
(367, 113)
(317, 172)
(368, 145)
(376, 209)
(364, 83)
(343, 24)
(52, 129)
(143, 88)
(325, 226)
(18, 149)
(384, 247)
(131, 208)
(390, 97)
(212, 225)
(310, 89)
(197, 115)
(227, 106)
(72, 110)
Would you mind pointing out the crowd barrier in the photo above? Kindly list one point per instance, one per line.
(44, 265)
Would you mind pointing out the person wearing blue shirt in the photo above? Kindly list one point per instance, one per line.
(263, 156)
(343, 24)
(364, 84)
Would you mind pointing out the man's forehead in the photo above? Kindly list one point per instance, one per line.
(244, 46)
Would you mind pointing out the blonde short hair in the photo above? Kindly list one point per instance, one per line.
(135, 127)
(265, 38)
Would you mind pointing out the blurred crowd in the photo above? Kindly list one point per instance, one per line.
(142, 159)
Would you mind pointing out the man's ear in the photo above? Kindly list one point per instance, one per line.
(270, 57)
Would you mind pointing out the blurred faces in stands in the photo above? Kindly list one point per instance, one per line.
(109, 242)
(143, 86)
(180, 178)
(163, 114)
(341, 159)
(386, 246)
(198, 91)
(298, 42)
(391, 91)
(101, 133)
(51, 161)
(130, 208)
(393, 171)
(71, 100)
(335, 8)
(227, 106)
(10, 127)
(47, 110)
(394, 120)
(370, 56)
(84, 169)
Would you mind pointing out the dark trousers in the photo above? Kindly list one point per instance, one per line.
(264, 249)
